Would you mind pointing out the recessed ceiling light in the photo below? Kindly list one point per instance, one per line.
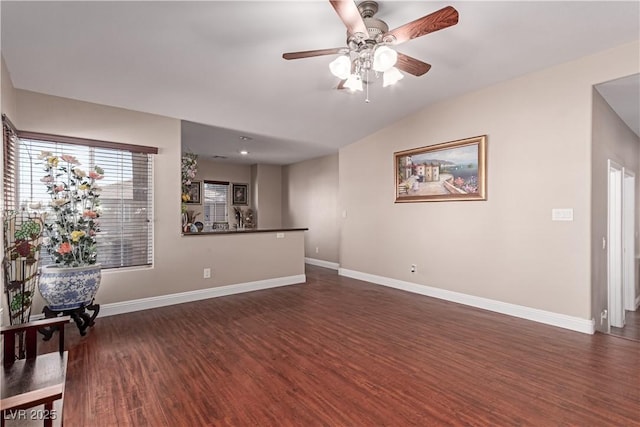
(244, 152)
(245, 138)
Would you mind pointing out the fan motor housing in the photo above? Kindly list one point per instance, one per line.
(375, 27)
(368, 8)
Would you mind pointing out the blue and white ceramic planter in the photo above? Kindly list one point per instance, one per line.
(67, 288)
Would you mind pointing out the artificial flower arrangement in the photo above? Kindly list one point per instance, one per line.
(71, 235)
(189, 169)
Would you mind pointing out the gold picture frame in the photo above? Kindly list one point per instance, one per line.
(240, 194)
(195, 193)
(451, 171)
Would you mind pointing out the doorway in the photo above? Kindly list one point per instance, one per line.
(615, 136)
(628, 238)
(614, 252)
(623, 319)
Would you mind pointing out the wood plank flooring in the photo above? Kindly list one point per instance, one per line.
(341, 352)
(631, 328)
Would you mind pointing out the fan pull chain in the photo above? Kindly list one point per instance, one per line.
(367, 96)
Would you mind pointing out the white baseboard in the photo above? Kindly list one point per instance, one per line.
(322, 263)
(549, 318)
(182, 297)
(200, 294)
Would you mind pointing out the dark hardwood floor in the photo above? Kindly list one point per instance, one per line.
(341, 352)
(631, 328)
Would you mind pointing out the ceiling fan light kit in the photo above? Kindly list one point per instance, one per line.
(384, 58)
(341, 67)
(354, 83)
(391, 77)
(368, 44)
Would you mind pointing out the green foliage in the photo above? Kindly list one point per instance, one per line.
(20, 301)
(29, 228)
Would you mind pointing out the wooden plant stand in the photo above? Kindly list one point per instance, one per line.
(79, 315)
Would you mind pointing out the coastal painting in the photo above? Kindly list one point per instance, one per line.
(450, 171)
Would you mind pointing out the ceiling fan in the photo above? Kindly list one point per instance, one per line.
(368, 44)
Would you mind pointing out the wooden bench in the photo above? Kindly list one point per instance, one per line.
(36, 379)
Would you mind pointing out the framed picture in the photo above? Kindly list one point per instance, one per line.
(455, 170)
(195, 191)
(240, 194)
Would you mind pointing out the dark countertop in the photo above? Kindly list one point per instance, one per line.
(245, 231)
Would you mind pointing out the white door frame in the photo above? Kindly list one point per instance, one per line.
(628, 239)
(614, 252)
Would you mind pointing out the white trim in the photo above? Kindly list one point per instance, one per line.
(615, 305)
(541, 316)
(628, 238)
(322, 263)
(182, 297)
(189, 296)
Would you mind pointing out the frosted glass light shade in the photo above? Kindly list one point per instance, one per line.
(353, 83)
(340, 67)
(384, 58)
(391, 76)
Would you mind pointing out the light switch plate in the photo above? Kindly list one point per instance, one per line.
(562, 214)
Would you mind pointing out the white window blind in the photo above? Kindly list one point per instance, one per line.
(215, 201)
(126, 229)
(10, 138)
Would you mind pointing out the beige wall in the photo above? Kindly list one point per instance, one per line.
(506, 248)
(310, 199)
(267, 191)
(7, 92)
(253, 193)
(178, 260)
(612, 139)
(265, 187)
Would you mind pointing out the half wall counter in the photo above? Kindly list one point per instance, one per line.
(248, 258)
(244, 231)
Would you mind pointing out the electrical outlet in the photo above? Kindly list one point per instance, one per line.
(279, 235)
(414, 268)
(207, 273)
(317, 250)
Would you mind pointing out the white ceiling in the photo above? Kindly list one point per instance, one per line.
(220, 64)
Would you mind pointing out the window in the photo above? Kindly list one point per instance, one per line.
(215, 202)
(126, 229)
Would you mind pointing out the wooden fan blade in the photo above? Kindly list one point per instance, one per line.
(350, 16)
(438, 20)
(311, 53)
(412, 65)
